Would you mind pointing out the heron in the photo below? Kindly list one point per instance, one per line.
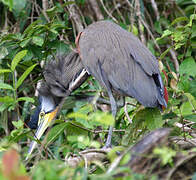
(116, 58)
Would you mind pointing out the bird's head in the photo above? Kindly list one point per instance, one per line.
(45, 112)
(61, 78)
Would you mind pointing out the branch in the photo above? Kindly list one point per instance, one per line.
(143, 147)
(74, 14)
(95, 7)
(88, 155)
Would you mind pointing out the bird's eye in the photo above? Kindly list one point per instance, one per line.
(42, 113)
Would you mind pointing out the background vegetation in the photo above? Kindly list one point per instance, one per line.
(33, 32)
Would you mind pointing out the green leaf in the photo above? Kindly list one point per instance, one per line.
(3, 52)
(6, 99)
(165, 34)
(4, 106)
(191, 99)
(17, 59)
(68, 3)
(151, 116)
(18, 124)
(188, 66)
(9, 3)
(166, 154)
(6, 86)
(5, 70)
(55, 132)
(37, 40)
(165, 52)
(24, 42)
(179, 19)
(26, 99)
(186, 109)
(24, 75)
(103, 118)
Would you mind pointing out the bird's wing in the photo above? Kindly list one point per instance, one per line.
(128, 64)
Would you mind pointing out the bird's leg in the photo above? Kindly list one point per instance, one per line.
(114, 110)
(121, 102)
(108, 143)
(106, 83)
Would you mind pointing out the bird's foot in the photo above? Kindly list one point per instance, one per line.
(107, 146)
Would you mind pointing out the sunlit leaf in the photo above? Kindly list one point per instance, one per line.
(24, 42)
(103, 118)
(26, 99)
(165, 34)
(165, 52)
(191, 99)
(6, 99)
(38, 40)
(152, 118)
(17, 59)
(6, 86)
(3, 52)
(5, 70)
(188, 66)
(24, 75)
(179, 19)
(55, 132)
(166, 154)
(186, 109)
(18, 124)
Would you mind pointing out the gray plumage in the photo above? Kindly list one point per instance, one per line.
(119, 61)
(58, 83)
(59, 74)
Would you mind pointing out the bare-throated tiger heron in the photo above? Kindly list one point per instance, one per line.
(116, 58)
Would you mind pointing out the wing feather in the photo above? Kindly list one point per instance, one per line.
(128, 64)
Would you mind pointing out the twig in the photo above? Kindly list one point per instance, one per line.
(97, 131)
(174, 58)
(85, 160)
(116, 7)
(154, 6)
(184, 159)
(87, 155)
(138, 13)
(109, 14)
(95, 7)
(75, 17)
(150, 33)
(127, 114)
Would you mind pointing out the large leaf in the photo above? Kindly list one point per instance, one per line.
(191, 99)
(24, 75)
(103, 118)
(6, 86)
(151, 116)
(55, 132)
(188, 66)
(17, 59)
(186, 109)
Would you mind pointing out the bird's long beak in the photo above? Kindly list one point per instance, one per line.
(43, 123)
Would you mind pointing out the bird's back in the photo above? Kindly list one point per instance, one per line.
(128, 64)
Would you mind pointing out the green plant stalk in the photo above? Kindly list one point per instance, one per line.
(15, 94)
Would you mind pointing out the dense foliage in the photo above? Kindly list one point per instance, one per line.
(34, 32)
